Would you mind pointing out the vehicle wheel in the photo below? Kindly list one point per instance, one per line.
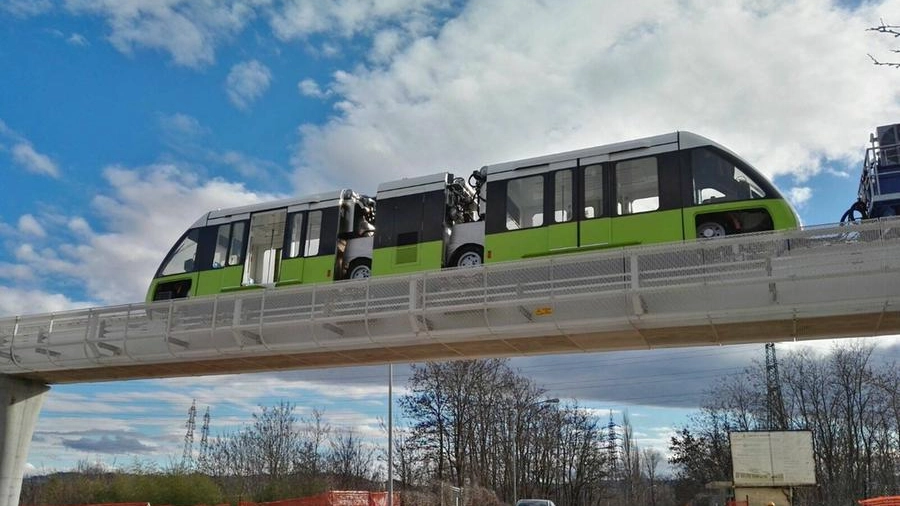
(468, 256)
(710, 229)
(361, 268)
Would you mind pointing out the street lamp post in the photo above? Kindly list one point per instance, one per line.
(515, 464)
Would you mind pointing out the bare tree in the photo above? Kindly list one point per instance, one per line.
(891, 30)
(267, 453)
(314, 434)
(479, 423)
(351, 461)
(848, 401)
(631, 463)
(651, 458)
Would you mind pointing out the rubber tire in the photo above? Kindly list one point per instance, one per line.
(710, 230)
(465, 256)
(361, 268)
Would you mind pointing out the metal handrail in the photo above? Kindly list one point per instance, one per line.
(747, 276)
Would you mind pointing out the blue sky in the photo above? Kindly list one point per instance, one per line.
(122, 122)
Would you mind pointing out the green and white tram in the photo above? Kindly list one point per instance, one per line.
(671, 187)
(313, 239)
(665, 188)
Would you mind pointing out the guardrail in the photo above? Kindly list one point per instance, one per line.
(813, 272)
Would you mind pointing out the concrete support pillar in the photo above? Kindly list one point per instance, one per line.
(20, 404)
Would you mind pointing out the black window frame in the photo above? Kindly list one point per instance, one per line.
(328, 234)
(687, 175)
(669, 168)
(288, 232)
(495, 221)
(550, 196)
(581, 197)
(174, 249)
(410, 219)
(245, 235)
(206, 249)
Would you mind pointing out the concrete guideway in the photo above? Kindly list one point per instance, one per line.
(821, 282)
(801, 284)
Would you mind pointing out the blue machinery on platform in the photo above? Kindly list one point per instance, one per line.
(813, 283)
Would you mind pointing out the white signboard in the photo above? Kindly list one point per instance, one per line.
(766, 459)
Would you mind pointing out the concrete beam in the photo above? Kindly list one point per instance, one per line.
(20, 404)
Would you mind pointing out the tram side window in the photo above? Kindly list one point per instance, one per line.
(229, 245)
(717, 179)
(637, 186)
(182, 258)
(236, 249)
(295, 223)
(525, 202)
(593, 191)
(562, 201)
(223, 240)
(313, 234)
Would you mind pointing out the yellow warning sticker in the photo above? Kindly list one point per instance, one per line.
(543, 311)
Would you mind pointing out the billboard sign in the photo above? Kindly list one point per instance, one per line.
(771, 459)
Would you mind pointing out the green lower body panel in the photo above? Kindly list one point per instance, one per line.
(306, 270)
(318, 269)
(214, 281)
(530, 242)
(646, 228)
(409, 258)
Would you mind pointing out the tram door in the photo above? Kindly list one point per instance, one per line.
(595, 225)
(264, 247)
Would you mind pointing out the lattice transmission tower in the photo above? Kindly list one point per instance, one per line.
(187, 456)
(776, 418)
(204, 441)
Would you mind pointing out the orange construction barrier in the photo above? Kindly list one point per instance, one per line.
(335, 498)
(893, 500)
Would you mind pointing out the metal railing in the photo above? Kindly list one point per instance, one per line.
(820, 271)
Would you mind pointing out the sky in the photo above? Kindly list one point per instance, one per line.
(121, 122)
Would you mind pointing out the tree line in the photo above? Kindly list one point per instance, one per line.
(482, 431)
(475, 427)
(850, 401)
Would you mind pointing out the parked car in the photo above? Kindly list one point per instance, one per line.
(535, 502)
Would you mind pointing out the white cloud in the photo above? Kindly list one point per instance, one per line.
(302, 18)
(180, 126)
(799, 195)
(26, 8)
(19, 301)
(385, 44)
(188, 30)
(310, 88)
(28, 224)
(15, 272)
(246, 82)
(142, 214)
(25, 155)
(186, 136)
(76, 39)
(786, 84)
(79, 226)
